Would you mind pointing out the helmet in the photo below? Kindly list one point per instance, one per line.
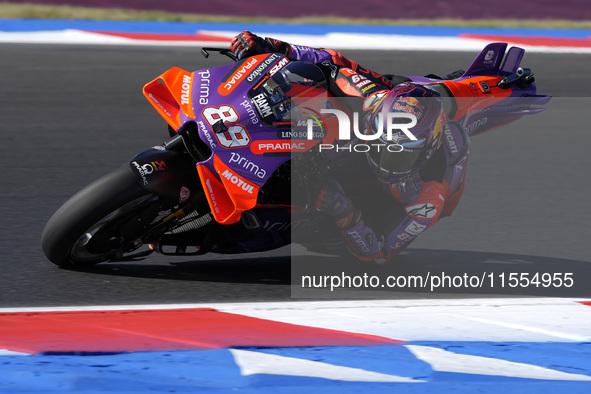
(391, 165)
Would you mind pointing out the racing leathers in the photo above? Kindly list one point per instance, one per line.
(418, 200)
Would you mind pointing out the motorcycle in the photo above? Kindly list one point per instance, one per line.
(223, 182)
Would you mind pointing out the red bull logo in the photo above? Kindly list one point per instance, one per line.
(411, 101)
(410, 105)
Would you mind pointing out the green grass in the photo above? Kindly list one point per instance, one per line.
(34, 11)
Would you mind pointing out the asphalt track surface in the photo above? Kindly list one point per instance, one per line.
(69, 114)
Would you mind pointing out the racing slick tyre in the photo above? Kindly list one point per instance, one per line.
(87, 229)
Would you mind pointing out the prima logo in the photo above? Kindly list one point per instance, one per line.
(204, 87)
(250, 111)
(247, 165)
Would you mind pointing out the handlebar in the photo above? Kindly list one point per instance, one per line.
(222, 51)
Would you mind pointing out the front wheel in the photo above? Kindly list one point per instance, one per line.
(87, 229)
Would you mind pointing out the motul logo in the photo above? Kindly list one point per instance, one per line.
(185, 89)
(238, 182)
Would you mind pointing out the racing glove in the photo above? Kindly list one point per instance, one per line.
(248, 44)
(331, 199)
(361, 240)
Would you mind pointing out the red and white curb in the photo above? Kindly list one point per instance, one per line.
(437, 333)
(480, 319)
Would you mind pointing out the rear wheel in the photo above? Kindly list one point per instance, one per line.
(89, 227)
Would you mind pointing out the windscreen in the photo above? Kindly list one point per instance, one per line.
(272, 96)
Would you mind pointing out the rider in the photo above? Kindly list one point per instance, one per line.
(426, 179)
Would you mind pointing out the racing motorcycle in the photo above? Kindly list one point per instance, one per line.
(223, 182)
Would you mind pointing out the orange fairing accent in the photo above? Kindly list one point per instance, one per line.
(472, 94)
(217, 197)
(229, 197)
(170, 94)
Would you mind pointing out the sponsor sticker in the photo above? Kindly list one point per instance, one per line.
(185, 194)
(415, 228)
(278, 146)
(262, 68)
(239, 74)
(422, 211)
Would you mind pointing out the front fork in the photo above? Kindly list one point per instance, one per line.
(169, 172)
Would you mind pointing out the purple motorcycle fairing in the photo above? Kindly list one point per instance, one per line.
(222, 106)
(239, 128)
(493, 60)
(242, 115)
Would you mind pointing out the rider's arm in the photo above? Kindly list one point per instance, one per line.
(419, 216)
(438, 196)
(346, 77)
(368, 244)
(248, 44)
(436, 199)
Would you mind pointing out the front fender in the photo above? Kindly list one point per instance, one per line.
(169, 174)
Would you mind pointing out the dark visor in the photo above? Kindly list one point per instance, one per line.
(391, 163)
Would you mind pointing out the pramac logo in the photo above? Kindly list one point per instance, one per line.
(237, 76)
